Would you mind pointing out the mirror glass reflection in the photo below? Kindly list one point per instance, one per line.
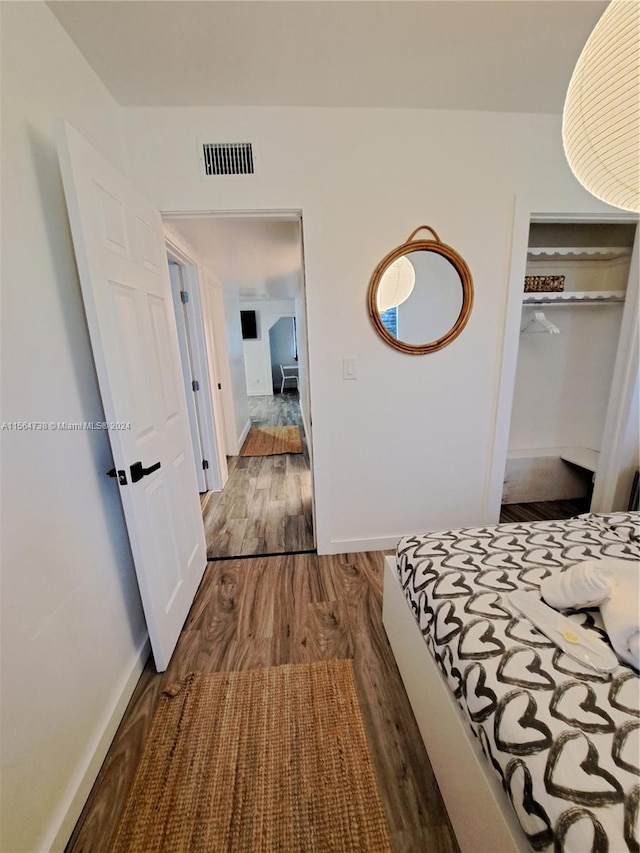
(419, 297)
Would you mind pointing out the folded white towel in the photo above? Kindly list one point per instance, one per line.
(583, 585)
(613, 585)
(621, 612)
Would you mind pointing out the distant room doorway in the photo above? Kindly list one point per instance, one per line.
(284, 355)
(255, 313)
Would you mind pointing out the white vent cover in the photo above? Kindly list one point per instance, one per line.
(226, 158)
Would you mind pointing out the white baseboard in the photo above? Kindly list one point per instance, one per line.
(348, 546)
(63, 823)
(243, 435)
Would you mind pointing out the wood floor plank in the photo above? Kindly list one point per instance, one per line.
(321, 633)
(543, 510)
(97, 823)
(293, 495)
(294, 531)
(289, 609)
(257, 605)
(264, 471)
(237, 528)
(296, 464)
(274, 528)
(278, 486)
(255, 491)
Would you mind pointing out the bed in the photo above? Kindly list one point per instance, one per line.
(531, 749)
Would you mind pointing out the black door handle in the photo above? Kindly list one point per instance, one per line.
(138, 472)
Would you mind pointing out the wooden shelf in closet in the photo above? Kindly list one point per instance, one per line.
(577, 253)
(584, 457)
(574, 297)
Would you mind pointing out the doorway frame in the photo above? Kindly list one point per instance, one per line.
(186, 368)
(626, 370)
(191, 334)
(294, 215)
(268, 355)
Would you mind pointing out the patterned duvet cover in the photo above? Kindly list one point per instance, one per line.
(563, 739)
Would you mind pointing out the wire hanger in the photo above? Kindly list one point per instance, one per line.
(540, 320)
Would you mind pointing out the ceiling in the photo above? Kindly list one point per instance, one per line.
(259, 257)
(504, 55)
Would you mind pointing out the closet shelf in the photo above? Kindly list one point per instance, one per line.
(584, 457)
(577, 253)
(573, 297)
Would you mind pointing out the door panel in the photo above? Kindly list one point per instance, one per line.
(119, 244)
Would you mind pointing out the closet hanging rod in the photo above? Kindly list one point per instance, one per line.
(598, 301)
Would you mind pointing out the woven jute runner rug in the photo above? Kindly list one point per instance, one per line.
(270, 441)
(272, 759)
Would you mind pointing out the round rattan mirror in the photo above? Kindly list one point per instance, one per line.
(420, 295)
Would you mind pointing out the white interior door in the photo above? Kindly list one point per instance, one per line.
(119, 246)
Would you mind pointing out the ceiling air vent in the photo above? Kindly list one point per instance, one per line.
(227, 158)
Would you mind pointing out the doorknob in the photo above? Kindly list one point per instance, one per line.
(138, 472)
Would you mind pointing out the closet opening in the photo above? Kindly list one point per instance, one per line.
(576, 285)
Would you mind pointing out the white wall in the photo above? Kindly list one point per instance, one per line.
(257, 377)
(406, 446)
(72, 624)
(563, 381)
(257, 352)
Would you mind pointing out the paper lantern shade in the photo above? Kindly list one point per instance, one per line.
(601, 120)
(396, 284)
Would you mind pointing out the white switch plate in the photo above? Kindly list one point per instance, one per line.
(349, 368)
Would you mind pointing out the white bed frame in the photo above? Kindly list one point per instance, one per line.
(480, 812)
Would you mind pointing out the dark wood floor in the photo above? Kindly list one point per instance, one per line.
(543, 510)
(270, 611)
(265, 506)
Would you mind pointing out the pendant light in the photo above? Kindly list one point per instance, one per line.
(396, 284)
(601, 120)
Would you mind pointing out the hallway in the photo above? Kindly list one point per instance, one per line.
(265, 506)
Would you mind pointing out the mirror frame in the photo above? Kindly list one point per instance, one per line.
(466, 281)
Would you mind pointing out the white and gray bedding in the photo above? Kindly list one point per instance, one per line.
(563, 739)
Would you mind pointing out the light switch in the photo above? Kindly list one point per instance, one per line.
(349, 368)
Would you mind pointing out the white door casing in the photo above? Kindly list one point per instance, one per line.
(119, 246)
(193, 335)
(175, 277)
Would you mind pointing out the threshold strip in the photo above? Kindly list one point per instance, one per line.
(256, 556)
